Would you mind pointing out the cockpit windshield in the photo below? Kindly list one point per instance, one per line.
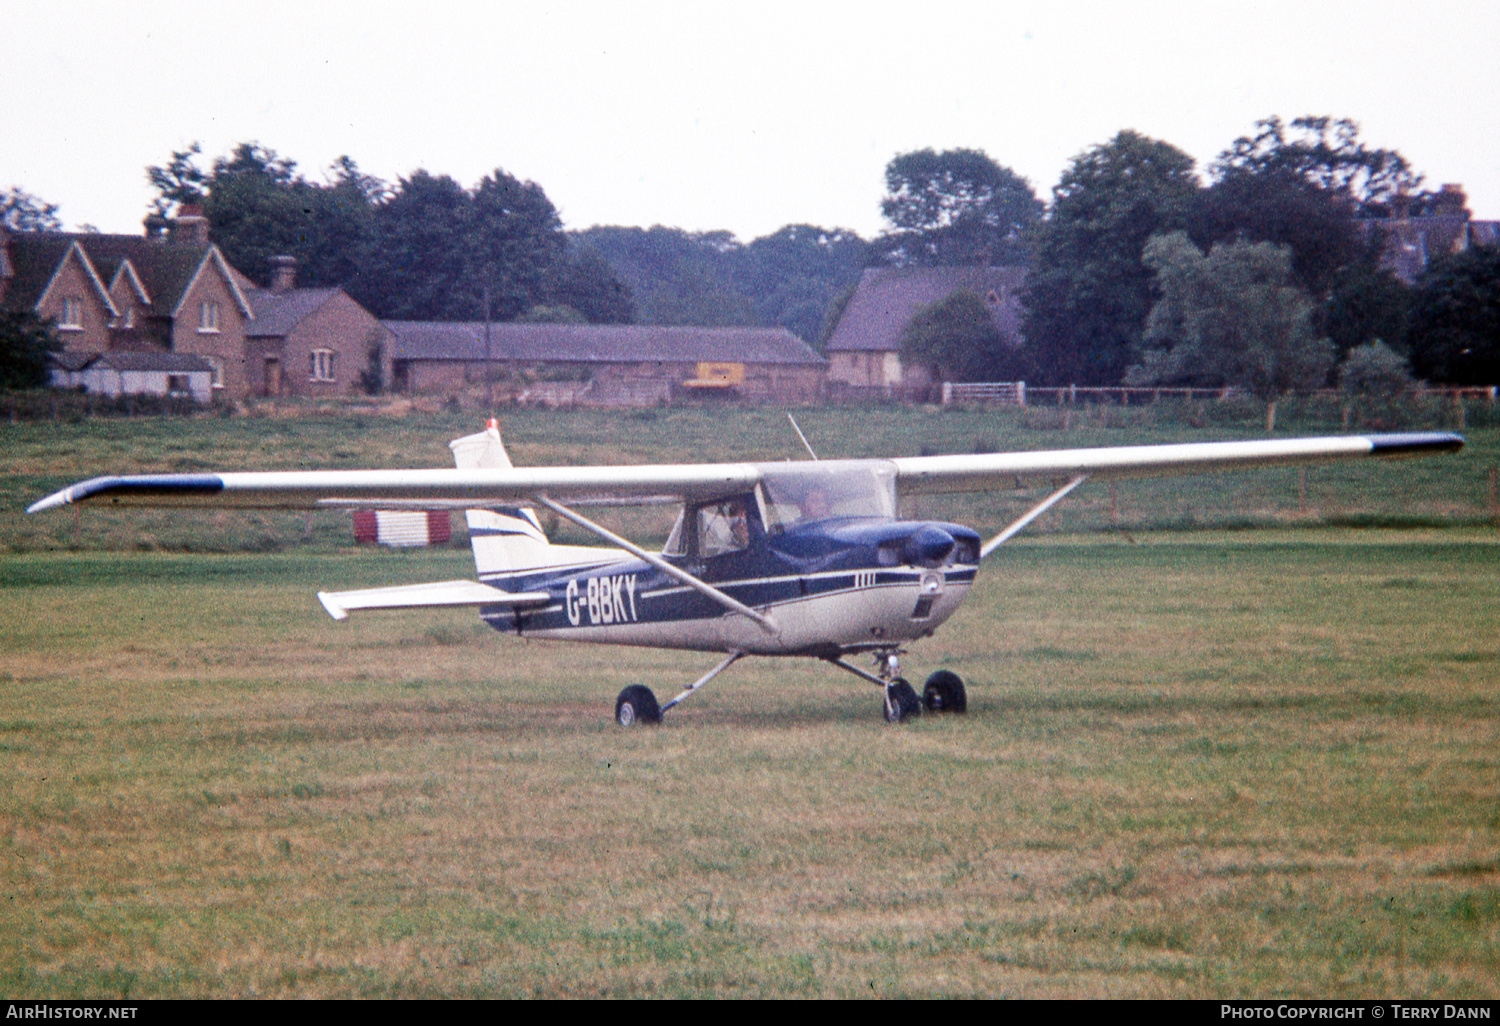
(805, 491)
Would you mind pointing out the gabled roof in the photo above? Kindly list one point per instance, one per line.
(887, 297)
(165, 270)
(278, 313)
(126, 271)
(597, 343)
(36, 262)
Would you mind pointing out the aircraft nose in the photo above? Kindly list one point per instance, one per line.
(928, 546)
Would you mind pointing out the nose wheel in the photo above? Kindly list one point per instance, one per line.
(944, 693)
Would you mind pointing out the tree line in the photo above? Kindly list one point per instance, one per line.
(1267, 276)
(1265, 273)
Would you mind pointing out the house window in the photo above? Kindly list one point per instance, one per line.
(72, 314)
(208, 317)
(320, 365)
(178, 385)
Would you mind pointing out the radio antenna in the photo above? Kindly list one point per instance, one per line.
(800, 435)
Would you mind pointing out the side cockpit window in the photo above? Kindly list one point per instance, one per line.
(712, 529)
(723, 527)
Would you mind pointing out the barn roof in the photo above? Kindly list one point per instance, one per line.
(887, 297)
(597, 343)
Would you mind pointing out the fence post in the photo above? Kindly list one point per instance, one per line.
(947, 392)
(1020, 393)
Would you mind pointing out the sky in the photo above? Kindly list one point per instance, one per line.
(734, 115)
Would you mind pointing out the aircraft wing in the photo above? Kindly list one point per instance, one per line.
(395, 489)
(478, 488)
(987, 471)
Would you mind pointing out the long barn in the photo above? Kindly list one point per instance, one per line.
(605, 364)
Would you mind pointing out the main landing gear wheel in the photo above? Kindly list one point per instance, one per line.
(944, 692)
(901, 702)
(636, 704)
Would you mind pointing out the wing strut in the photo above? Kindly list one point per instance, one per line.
(1031, 514)
(767, 623)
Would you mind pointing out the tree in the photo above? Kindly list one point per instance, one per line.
(180, 180)
(1088, 292)
(1455, 319)
(1368, 304)
(1307, 186)
(586, 282)
(20, 211)
(514, 241)
(676, 276)
(1234, 317)
(955, 208)
(416, 267)
(1324, 152)
(25, 343)
(1275, 205)
(958, 338)
(1375, 371)
(258, 207)
(797, 271)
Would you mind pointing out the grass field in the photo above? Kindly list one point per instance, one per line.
(1209, 763)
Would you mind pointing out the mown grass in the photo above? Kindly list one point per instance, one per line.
(1201, 765)
(1212, 763)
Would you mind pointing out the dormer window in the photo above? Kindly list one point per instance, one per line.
(208, 317)
(320, 365)
(72, 314)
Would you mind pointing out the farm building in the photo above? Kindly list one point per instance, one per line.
(864, 350)
(605, 364)
(171, 291)
(128, 372)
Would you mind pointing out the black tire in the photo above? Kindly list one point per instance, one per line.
(944, 693)
(636, 704)
(907, 706)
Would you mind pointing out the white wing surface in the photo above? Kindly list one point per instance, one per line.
(394, 489)
(986, 471)
(481, 487)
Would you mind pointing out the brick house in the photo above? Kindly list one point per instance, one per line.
(171, 290)
(311, 342)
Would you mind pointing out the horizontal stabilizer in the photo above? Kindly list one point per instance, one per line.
(415, 596)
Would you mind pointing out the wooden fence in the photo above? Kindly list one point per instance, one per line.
(1018, 393)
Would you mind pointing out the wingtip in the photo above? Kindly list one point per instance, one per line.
(52, 501)
(335, 610)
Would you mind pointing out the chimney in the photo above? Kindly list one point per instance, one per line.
(191, 227)
(283, 274)
(156, 228)
(1451, 201)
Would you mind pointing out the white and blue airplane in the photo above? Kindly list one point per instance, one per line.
(804, 558)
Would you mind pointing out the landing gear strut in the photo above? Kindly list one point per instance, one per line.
(901, 701)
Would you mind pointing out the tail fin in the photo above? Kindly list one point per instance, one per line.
(503, 539)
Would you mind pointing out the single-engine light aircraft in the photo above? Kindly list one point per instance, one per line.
(803, 558)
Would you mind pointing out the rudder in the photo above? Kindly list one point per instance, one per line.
(504, 540)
